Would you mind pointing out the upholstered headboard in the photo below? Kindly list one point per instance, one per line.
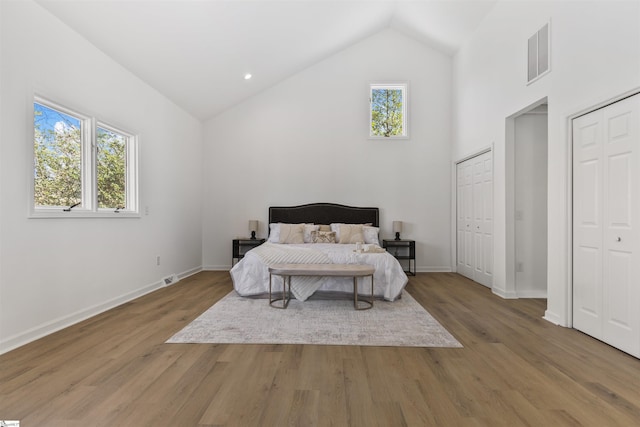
(324, 213)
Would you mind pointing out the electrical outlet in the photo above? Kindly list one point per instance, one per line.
(158, 260)
(146, 210)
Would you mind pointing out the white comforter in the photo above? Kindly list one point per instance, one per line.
(251, 275)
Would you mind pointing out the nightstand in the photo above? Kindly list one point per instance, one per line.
(242, 246)
(404, 251)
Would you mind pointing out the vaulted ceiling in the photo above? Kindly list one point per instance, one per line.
(197, 52)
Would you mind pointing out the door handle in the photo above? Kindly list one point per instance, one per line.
(619, 239)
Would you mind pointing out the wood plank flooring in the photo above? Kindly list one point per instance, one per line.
(515, 370)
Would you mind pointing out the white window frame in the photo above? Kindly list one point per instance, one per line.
(404, 87)
(131, 155)
(89, 205)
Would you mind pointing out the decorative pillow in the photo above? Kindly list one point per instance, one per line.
(371, 235)
(291, 233)
(323, 237)
(308, 229)
(335, 227)
(274, 233)
(324, 227)
(350, 233)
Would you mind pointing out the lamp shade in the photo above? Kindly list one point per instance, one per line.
(253, 227)
(397, 226)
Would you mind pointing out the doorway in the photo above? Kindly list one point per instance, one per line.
(527, 193)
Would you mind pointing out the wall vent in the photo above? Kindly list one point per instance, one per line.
(538, 54)
(170, 280)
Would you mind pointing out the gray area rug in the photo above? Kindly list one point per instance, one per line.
(238, 320)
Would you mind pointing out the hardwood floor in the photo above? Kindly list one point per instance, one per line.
(515, 369)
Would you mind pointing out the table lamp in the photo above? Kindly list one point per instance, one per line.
(253, 228)
(397, 228)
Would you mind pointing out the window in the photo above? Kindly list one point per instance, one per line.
(82, 167)
(57, 157)
(388, 111)
(111, 164)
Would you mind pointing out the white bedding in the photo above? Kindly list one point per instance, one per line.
(251, 275)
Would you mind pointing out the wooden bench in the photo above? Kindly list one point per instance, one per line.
(333, 270)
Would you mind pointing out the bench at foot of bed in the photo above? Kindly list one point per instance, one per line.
(334, 270)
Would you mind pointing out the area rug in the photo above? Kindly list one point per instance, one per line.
(238, 320)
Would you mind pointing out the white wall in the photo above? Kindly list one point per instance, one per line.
(530, 203)
(595, 55)
(54, 272)
(305, 140)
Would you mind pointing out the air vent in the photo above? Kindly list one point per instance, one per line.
(170, 280)
(538, 54)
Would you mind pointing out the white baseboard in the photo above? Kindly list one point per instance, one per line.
(216, 268)
(55, 325)
(190, 272)
(445, 269)
(532, 293)
(504, 294)
(553, 318)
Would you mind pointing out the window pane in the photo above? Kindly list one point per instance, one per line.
(387, 112)
(111, 165)
(57, 157)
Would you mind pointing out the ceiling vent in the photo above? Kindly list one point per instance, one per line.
(538, 54)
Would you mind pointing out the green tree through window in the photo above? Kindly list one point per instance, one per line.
(388, 111)
(81, 165)
(111, 164)
(58, 158)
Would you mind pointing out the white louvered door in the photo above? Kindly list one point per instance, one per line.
(606, 228)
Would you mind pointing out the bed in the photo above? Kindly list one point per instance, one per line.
(303, 234)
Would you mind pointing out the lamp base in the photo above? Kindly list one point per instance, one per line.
(253, 235)
(397, 236)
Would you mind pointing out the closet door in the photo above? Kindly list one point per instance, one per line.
(464, 213)
(606, 224)
(587, 223)
(621, 302)
(483, 219)
(474, 205)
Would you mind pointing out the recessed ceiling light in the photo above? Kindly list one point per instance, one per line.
(247, 76)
